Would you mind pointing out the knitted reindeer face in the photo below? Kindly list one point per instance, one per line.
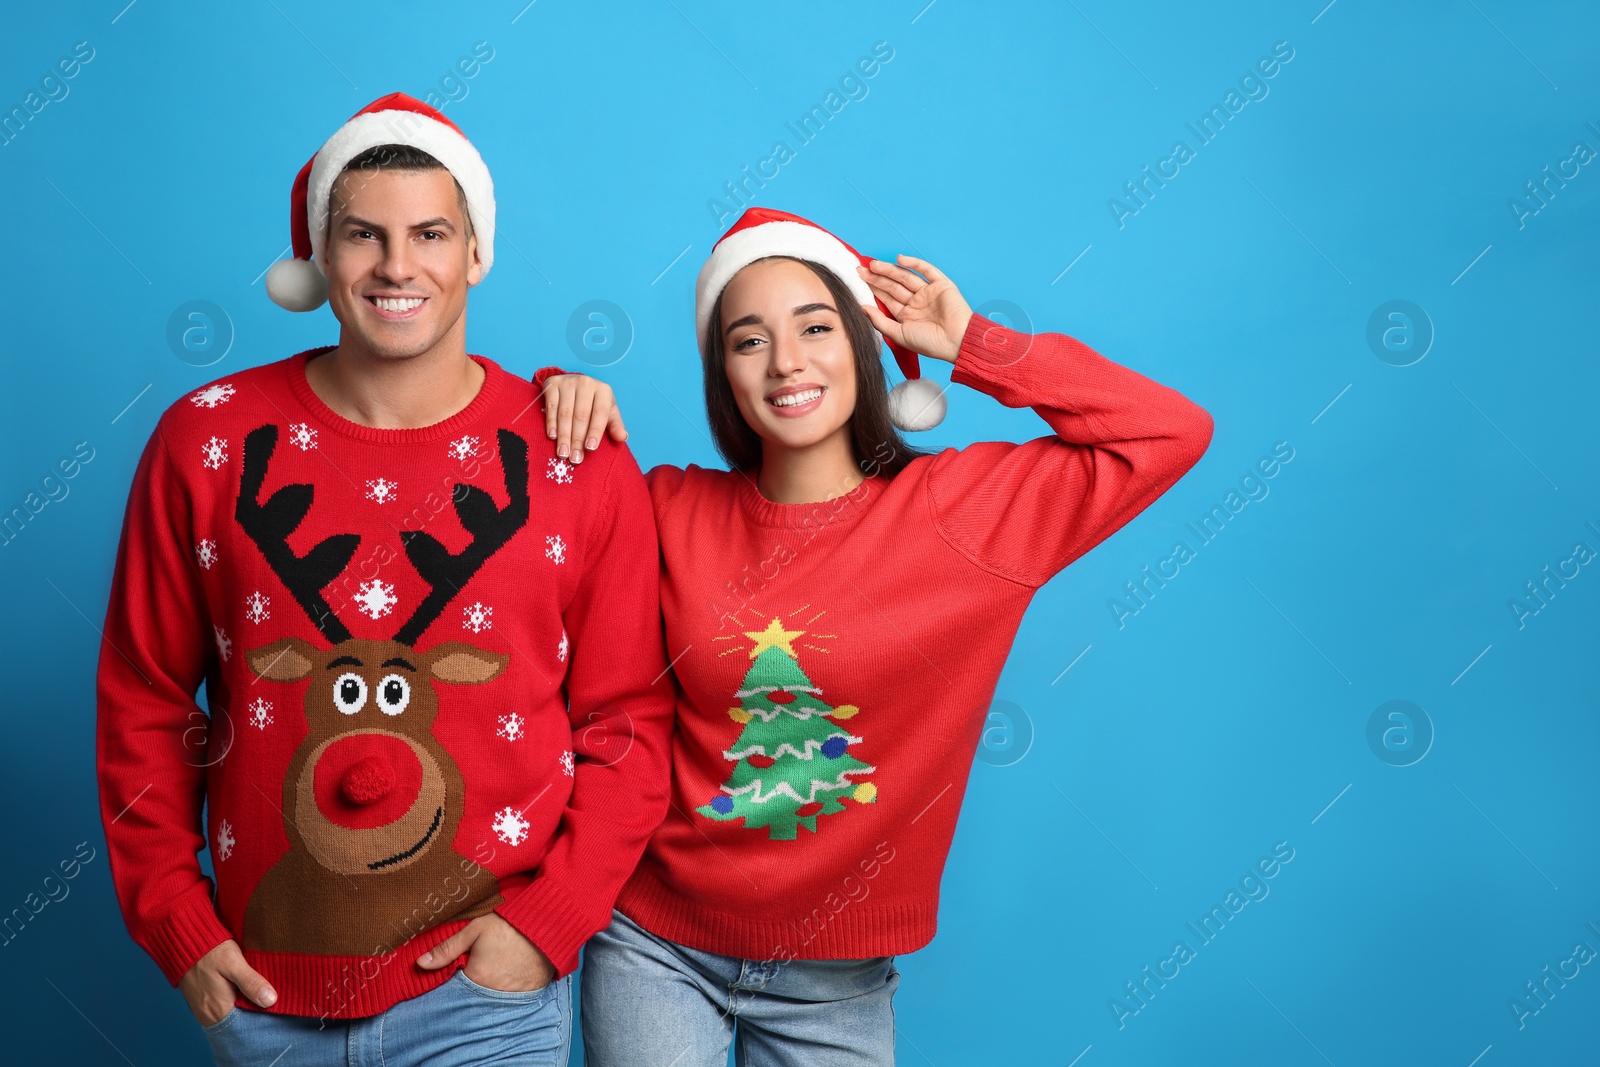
(371, 799)
(371, 786)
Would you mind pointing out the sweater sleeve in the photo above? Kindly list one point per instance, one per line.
(620, 703)
(1025, 511)
(151, 755)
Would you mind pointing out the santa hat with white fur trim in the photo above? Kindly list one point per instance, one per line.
(914, 404)
(299, 283)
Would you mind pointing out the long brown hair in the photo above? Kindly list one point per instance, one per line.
(874, 439)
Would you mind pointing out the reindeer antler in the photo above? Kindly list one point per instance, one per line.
(269, 526)
(490, 527)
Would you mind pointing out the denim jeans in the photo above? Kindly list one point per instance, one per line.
(457, 1024)
(650, 1001)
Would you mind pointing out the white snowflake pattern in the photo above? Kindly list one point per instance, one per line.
(559, 471)
(214, 453)
(376, 598)
(478, 617)
(464, 447)
(509, 826)
(256, 607)
(206, 553)
(260, 713)
(212, 395)
(510, 727)
(566, 764)
(561, 649)
(555, 549)
(225, 840)
(382, 490)
(224, 643)
(303, 436)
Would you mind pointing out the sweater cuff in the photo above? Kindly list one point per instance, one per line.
(546, 914)
(189, 931)
(541, 374)
(987, 349)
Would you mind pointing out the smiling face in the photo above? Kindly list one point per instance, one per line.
(399, 261)
(787, 354)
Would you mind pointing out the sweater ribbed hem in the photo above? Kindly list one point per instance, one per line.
(546, 914)
(188, 932)
(853, 932)
(352, 987)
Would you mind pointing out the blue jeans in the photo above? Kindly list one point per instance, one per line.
(649, 1002)
(457, 1024)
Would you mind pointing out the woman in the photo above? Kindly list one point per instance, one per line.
(839, 606)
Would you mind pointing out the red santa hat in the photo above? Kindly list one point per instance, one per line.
(914, 404)
(299, 283)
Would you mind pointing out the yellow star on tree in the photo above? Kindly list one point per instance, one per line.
(774, 636)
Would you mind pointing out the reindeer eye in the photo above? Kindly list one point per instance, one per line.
(394, 693)
(350, 692)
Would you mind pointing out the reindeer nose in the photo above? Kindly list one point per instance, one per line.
(367, 779)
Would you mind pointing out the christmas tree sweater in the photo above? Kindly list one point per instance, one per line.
(836, 661)
(435, 679)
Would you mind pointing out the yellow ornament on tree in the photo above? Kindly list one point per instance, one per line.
(844, 711)
(739, 715)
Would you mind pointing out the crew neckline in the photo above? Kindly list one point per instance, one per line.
(300, 385)
(844, 509)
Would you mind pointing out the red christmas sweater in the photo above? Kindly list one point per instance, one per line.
(434, 668)
(836, 660)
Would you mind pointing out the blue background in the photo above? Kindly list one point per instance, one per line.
(1229, 714)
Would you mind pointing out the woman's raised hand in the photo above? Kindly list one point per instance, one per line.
(930, 314)
(577, 410)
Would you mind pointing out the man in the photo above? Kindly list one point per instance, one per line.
(432, 650)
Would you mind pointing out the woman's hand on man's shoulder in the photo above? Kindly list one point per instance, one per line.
(578, 412)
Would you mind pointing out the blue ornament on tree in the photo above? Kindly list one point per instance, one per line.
(834, 747)
(722, 803)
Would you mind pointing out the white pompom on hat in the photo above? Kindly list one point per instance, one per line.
(299, 284)
(914, 404)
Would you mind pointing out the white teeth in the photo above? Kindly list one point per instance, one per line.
(793, 399)
(396, 303)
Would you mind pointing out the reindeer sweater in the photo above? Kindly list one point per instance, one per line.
(837, 660)
(435, 678)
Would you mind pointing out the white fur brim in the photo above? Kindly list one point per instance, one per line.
(409, 128)
(781, 238)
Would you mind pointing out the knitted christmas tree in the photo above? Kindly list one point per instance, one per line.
(791, 762)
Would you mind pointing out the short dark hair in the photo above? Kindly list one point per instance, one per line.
(877, 444)
(406, 157)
